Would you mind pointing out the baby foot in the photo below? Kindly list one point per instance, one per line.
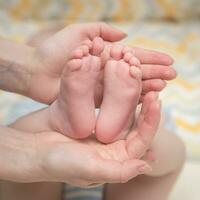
(73, 113)
(122, 90)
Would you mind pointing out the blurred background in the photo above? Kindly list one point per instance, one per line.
(171, 26)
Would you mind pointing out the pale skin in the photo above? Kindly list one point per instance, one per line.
(49, 75)
(73, 112)
(114, 157)
(156, 185)
(122, 92)
(37, 70)
(38, 73)
(74, 89)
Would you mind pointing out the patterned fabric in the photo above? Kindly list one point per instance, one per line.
(20, 19)
(120, 10)
(180, 99)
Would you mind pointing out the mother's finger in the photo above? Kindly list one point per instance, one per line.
(101, 29)
(140, 139)
(152, 57)
(149, 156)
(156, 85)
(163, 72)
(148, 126)
(111, 171)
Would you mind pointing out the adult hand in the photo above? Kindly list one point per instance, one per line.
(54, 53)
(51, 156)
(88, 162)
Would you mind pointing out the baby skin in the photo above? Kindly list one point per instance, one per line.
(73, 113)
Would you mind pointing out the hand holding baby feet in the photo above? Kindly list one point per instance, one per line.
(141, 136)
(155, 67)
(73, 113)
(122, 90)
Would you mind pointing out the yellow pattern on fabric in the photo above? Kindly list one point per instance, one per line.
(186, 84)
(194, 128)
(169, 8)
(21, 7)
(75, 9)
(96, 9)
(122, 10)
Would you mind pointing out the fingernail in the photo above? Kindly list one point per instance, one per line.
(171, 74)
(125, 34)
(144, 169)
(175, 73)
(172, 59)
(164, 85)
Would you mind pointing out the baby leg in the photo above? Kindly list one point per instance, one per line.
(73, 113)
(122, 90)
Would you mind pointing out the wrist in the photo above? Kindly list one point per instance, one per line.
(16, 64)
(18, 158)
(35, 137)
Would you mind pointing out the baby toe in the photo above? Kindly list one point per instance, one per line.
(134, 61)
(77, 53)
(85, 49)
(127, 56)
(74, 64)
(88, 43)
(97, 46)
(116, 51)
(127, 49)
(136, 73)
